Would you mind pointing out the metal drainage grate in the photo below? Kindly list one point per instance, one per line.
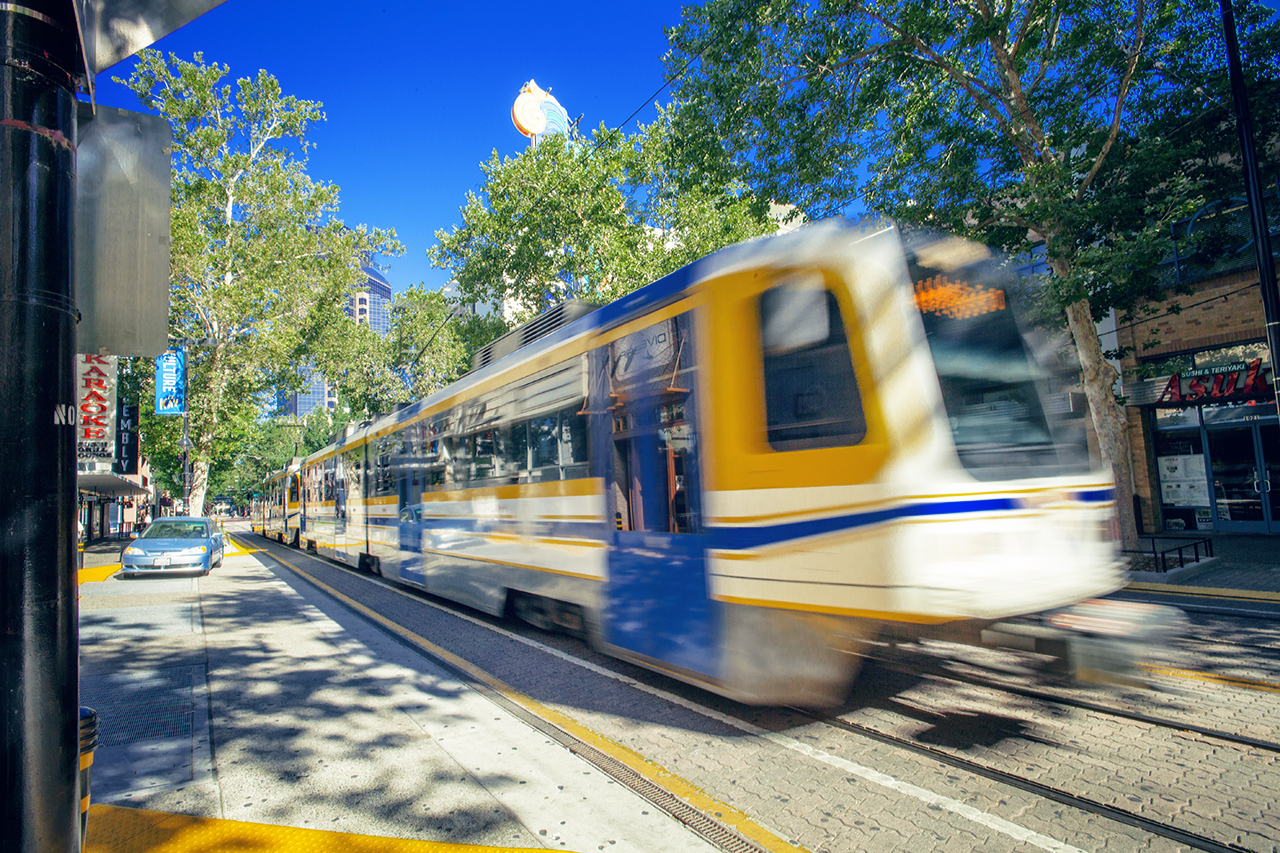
(141, 707)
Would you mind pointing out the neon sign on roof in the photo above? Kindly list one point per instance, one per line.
(537, 114)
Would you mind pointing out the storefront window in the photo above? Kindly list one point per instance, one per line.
(1184, 483)
(1169, 418)
(1245, 410)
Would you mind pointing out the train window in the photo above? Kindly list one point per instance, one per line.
(293, 488)
(355, 474)
(988, 378)
(573, 442)
(517, 451)
(458, 468)
(543, 443)
(489, 454)
(811, 394)
(384, 475)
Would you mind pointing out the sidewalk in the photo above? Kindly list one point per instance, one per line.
(244, 710)
(1240, 561)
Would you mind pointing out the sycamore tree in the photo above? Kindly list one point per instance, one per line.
(429, 344)
(589, 218)
(1075, 126)
(260, 264)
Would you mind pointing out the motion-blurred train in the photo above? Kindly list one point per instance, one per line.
(740, 474)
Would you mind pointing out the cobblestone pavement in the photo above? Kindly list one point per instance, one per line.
(831, 790)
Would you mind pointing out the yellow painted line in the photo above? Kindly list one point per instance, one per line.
(1229, 680)
(677, 785)
(114, 829)
(1206, 591)
(98, 573)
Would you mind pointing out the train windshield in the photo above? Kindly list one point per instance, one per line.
(991, 386)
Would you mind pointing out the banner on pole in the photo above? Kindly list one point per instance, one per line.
(170, 370)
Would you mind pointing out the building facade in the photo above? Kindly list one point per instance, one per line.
(1203, 426)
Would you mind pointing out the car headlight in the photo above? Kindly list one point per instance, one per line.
(132, 551)
(199, 549)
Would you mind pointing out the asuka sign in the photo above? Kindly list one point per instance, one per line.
(96, 432)
(1217, 385)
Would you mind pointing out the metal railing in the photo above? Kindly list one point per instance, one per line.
(1183, 546)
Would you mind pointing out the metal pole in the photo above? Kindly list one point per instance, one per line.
(39, 668)
(1253, 190)
(186, 424)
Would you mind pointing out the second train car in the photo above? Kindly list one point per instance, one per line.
(739, 474)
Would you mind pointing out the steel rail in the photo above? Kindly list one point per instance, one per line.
(1048, 792)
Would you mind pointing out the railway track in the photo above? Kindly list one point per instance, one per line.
(948, 673)
(1077, 801)
(729, 839)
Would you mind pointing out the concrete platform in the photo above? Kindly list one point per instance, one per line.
(232, 709)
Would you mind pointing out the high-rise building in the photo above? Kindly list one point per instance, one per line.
(371, 305)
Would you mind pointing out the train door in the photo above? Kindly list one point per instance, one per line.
(657, 602)
(340, 501)
(411, 481)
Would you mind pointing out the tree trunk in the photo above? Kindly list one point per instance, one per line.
(1109, 421)
(199, 486)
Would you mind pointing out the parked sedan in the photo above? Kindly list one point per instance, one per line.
(174, 545)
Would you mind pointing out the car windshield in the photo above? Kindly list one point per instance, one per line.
(176, 530)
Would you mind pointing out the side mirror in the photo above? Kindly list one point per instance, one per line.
(133, 534)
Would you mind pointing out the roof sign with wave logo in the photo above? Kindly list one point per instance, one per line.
(537, 114)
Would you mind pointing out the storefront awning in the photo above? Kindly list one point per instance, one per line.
(107, 484)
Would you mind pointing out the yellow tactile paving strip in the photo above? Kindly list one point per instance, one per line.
(113, 829)
(1206, 591)
(98, 573)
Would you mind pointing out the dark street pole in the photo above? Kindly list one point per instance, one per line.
(1253, 190)
(39, 695)
(186, 429)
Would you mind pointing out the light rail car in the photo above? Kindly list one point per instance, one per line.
(277, 510)
(740, 474)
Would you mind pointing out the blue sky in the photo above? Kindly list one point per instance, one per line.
(417, 95)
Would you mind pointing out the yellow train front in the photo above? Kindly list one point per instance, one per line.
(276, 511)
(742, 472)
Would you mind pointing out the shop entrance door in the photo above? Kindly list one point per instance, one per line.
(1245, 474)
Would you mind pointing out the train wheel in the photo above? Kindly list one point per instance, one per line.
(534, 610)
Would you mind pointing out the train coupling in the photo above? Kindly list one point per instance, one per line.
(1099, 641)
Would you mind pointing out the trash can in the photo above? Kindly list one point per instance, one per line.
(88, 742)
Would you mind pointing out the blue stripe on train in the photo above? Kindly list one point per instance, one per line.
(760, 536)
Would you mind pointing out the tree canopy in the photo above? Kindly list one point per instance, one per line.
(588, 218)
(1072, 126)
(429, 345)
(261, 265)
